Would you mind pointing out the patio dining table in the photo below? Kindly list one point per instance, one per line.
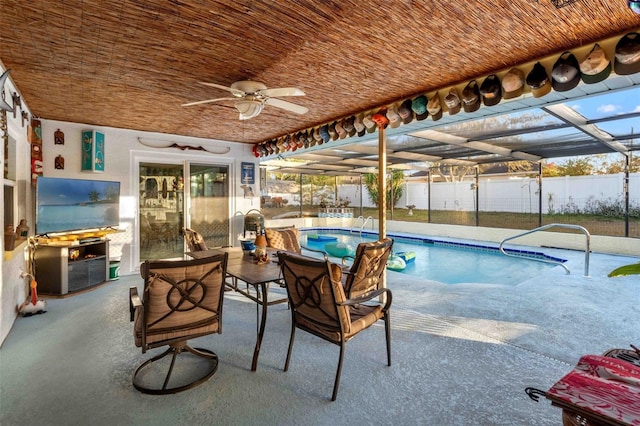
(244, 267)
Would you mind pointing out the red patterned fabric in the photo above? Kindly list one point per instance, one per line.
(605, 387)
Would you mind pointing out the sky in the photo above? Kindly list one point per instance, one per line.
(69, 191)
(604, 105)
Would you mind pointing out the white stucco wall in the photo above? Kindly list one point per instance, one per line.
(122, 150)
(13, 289)
(121, 147)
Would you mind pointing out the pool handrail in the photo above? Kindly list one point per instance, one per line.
(553, 225)
(364, 223)
(353, 224)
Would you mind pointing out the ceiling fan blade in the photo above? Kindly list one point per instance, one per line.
(208, 101)
(279, 103)
(282, 91)
(235, 92)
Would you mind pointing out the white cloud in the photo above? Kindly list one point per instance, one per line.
(637, 109)
(608, 108)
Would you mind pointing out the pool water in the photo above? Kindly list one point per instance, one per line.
(447, 261)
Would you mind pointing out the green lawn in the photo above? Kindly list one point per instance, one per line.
(596, 225)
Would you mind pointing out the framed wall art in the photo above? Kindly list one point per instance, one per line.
(92, 151)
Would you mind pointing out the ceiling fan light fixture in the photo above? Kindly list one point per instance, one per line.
(249, 108)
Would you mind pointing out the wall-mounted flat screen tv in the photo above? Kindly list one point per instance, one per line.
(65, 205)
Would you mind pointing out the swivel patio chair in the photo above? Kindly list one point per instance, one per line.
(319, 306)
(368, 267)
(181, 300)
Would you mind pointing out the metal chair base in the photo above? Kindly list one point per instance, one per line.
(174, 351)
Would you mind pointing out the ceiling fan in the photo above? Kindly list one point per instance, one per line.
(250, 97)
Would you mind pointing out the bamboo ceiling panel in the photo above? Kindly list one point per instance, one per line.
(132, 64)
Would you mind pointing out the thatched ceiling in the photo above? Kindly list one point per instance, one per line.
(131, 64)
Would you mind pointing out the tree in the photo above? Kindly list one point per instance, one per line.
(520, 166)
(451, 173)
(617, 166)
(318, 187)
(94, 196)
(572, 167)
(394, 185)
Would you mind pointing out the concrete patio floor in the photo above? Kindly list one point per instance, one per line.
(461, 355)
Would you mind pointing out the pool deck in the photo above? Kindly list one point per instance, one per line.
(462, 355)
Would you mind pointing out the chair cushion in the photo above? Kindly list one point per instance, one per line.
(284, 239)
(364, 275)
(171, 317)
(353, 318)
(198, 242)
(162, 337)
(601, 387)
(362, 316)
(336, 271)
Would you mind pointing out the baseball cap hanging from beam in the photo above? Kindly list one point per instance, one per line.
(348, 124)
(512, 84)
(405, 111)
(628, 55)
(538, 81)
(380, 118)
(333, 134)
(471, 97)
(452, 101)
(565, 74)
(419, 106)
(596, 66)
(435, 107)
(342, 133)
(369, 123)
(394, 118)
(324, 134)
(491, 90)
(359, 125)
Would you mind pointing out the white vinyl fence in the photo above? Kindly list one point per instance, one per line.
(505, 194)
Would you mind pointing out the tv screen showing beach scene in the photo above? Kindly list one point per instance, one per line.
(64, 205)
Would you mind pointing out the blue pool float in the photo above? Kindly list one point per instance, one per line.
(316, 237)
(339, 249)
(407, 256)
(396, 263)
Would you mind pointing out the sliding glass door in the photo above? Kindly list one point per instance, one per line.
(161, 212)
(209, 203)
(174, 196)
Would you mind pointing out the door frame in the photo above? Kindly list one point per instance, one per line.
(184, 160)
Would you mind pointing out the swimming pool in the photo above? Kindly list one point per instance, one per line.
(447, 261)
